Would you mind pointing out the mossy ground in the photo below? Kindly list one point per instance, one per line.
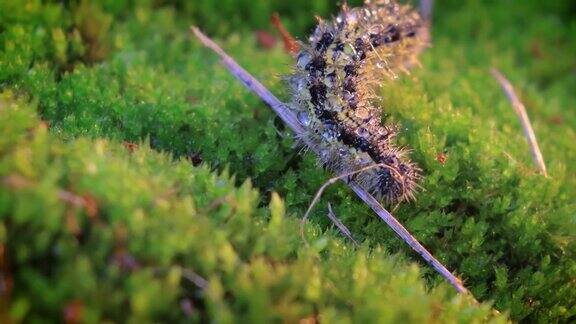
(119, 136)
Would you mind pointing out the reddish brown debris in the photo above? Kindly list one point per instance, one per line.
(73, 312)
(15, 182)
(291, 46)
(308, 320)
(90, 205)
(6, 281)
(125, 261)
(536, 49)
(441, 158)
(556, 120)
(85, 201)
(131, 147)
(265, 40)
(45, 124)
(192, 99)
(71, 222)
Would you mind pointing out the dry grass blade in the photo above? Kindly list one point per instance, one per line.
(195, 278)
(343, 229)
(524, 120)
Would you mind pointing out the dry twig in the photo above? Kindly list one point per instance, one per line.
(524, 120)
(69, 197)
(195, 278)
(343, 229)
(291, 46)
(290, 119)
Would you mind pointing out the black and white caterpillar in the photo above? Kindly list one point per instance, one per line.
(333, 90)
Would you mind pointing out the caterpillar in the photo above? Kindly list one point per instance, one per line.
(333, 93)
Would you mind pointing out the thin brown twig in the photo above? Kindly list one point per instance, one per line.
(291, 121)
(291, 46)
(524, 120)
(343, 229)
(69, 197)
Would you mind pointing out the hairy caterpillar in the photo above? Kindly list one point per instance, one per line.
(333, 93)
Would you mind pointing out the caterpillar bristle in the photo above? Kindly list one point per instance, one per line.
(333, 88)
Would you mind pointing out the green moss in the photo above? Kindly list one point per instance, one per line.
(132, 73)
(159, 224)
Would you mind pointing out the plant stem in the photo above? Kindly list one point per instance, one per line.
(524, 120)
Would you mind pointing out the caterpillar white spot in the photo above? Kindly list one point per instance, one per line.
(333, 93)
